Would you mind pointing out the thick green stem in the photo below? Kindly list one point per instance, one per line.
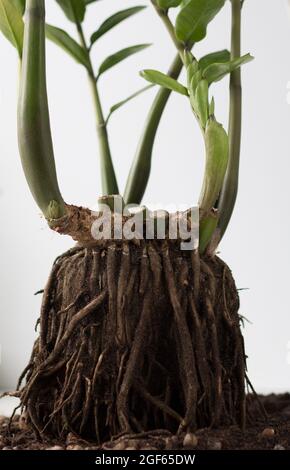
(141, 167)
(109, 180)
(230, 187)
(34, 134)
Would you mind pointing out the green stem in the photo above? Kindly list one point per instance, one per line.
(230, 187)
(109, 181)
(34, 133)
(163, 14)
(141, 167)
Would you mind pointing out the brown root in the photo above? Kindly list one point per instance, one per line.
(136, 338)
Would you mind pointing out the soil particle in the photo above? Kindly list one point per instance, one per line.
(120, 446)
(55, 448)
(268, 433)
(190, 441)
(278, 447)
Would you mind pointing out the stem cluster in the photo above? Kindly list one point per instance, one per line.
(220, 184)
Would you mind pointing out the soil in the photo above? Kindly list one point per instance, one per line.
(272, 433)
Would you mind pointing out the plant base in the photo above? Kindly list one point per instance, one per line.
(136, 337)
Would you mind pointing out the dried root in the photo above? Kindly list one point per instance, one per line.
(136, 339)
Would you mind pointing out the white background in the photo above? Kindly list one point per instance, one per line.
(256, 245)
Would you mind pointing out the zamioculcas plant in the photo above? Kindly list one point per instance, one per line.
(139, 329)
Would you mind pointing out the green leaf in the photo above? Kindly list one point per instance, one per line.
(11, 24)
(168, 3)
(196, 78)
(217, 154)
(191, 71)
(206, 230)
(66, 42)
(73, 9)
(191, 22)
(201, 102)
(213, 58)
(215, 72)
(159, 78)
(211, 110)
(20, 5)
(113, 21)
(236, 63)
(114, 59)
(126, 100)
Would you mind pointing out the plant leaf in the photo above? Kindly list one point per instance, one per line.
(211, 109)
(66, 42)
(196, 78)
(11, 24)
(113, 21)
(201, 102)
(114, 59)
(159, 78)
(20, 5)
(73, 9)
(168, 3)
(126, 100)
(206, 230)
(192, 20)
(217, 155)
(215, 57)
(215, 72)
(244, 59)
